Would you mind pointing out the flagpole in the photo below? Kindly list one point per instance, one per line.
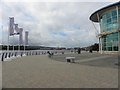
(17, 33)
(8, 44)
(24, 45)
(19, 45)
(8, 40)
(26, 40)
(13, 42)
(10, 31)
(20, 40)
(24, 48)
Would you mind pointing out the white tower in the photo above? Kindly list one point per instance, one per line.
(21, 36)
(26, 38)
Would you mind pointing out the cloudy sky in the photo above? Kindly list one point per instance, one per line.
(52, 23)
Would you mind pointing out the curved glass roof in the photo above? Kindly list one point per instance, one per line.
(94, 16)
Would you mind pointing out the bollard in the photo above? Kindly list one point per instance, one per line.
(2, 57)
(15, 53)
(21, 54)
(5, 55)
(9, 55)
(30, 53)
(12, 54)
(27, 53)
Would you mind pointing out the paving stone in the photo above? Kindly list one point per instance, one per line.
(43, 72)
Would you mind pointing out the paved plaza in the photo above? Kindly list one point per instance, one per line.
(91, 70)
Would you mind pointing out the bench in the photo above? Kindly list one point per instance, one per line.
(70, 59)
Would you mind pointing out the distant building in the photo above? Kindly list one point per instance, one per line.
(109, 19)
(11, 26)
(21, 36)
(26, 38)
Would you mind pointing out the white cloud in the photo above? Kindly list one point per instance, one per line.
(54, 23)
(60, 0)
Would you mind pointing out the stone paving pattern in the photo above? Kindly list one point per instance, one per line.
(43, 72)
(91, 59)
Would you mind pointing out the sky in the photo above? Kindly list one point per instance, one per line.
(59, 24)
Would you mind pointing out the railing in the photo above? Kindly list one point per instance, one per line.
(10, 54)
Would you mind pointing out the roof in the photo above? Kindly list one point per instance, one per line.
(94, 18)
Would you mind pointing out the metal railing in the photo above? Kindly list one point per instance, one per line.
(10, 54)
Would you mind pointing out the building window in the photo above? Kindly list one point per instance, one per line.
(109, 21)
(110, 42)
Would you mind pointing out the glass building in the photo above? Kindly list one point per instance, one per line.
(109, 20)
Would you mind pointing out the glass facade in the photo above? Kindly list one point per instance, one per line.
(110, 42)
(108, 23)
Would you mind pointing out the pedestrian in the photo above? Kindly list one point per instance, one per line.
(90, 51)
(79, 51)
